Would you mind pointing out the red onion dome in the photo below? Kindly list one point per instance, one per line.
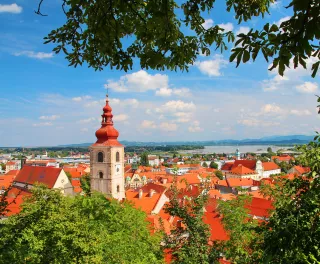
(107, 135)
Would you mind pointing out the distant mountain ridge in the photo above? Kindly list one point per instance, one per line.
(270, 140)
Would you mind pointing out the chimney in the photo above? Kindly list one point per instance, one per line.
(164, 180)
(151, 192)
(140, 193)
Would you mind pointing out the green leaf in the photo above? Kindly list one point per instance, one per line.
(246, 56)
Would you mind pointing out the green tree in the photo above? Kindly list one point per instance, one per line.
(204, 165)
(219, 174)
(292, 233)
(52, 228)
(85, 184)
(144, 161)
(188, 243)
(213, 165)
(95, 32)
(269, 149)
(3, 166)
(244, 232)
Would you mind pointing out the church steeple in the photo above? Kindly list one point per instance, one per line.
(107, 135)
(107, 158)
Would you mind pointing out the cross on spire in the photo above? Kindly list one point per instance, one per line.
(107, 91)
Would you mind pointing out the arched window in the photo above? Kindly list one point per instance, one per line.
(100, 157)
(118, 188)
(117, 156)
(100, 174)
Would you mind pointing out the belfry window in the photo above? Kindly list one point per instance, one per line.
(117, 156)
(118, 188)
(100, 157)
(100, 174)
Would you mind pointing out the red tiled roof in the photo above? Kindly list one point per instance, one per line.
(217, 230)
(15, 199)
(267, 166)
(12, 172)
(301, 170)
(33, 174)
(241, 170)
(227, 166)
(6, 181)
(236, 182)
(145, 203)
(152, 186)
(260, 207)
(282, 158)
(11, 163)
(250, 164)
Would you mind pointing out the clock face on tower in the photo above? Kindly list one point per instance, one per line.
(118, 166)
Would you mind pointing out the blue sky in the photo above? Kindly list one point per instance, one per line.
(45, 102)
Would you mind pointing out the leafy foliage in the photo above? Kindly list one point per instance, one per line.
(188, 243)
(144, 161)
(213, 165)
(52, 228)
(293, 230)
(245, 235)
(85, 184)
(114, 32)
(219, 174)
(95, 32)
(294, 40)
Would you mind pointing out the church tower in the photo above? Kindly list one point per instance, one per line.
(107, 158)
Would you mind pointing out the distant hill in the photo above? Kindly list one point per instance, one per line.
(271, 140)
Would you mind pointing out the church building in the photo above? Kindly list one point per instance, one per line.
(107, 158)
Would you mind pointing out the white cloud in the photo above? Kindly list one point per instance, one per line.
(182, 117)
(176, 106)
(212, 67)
(300, 112)
(271, 108)
(242, 30)
(195, 127)
(278, 23)
(85, 121)
(147, 124)
(140, 81)
(307, 87)
(42, 124)
(81, 98)
(34, 55)
(292, 77)
(93, 104)
(164, 92)
(273, 84)
(13, 8)
(168, 127)
(126, 102)
(257, 123)
(52, 117)
(182, 92)
(120, 118)
(208, 23)
(227, 26)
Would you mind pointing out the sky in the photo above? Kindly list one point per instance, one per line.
(43, 102)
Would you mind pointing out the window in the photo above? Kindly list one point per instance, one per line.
(117, 156)
(118, 188)
(101, 175)
(100, 157)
